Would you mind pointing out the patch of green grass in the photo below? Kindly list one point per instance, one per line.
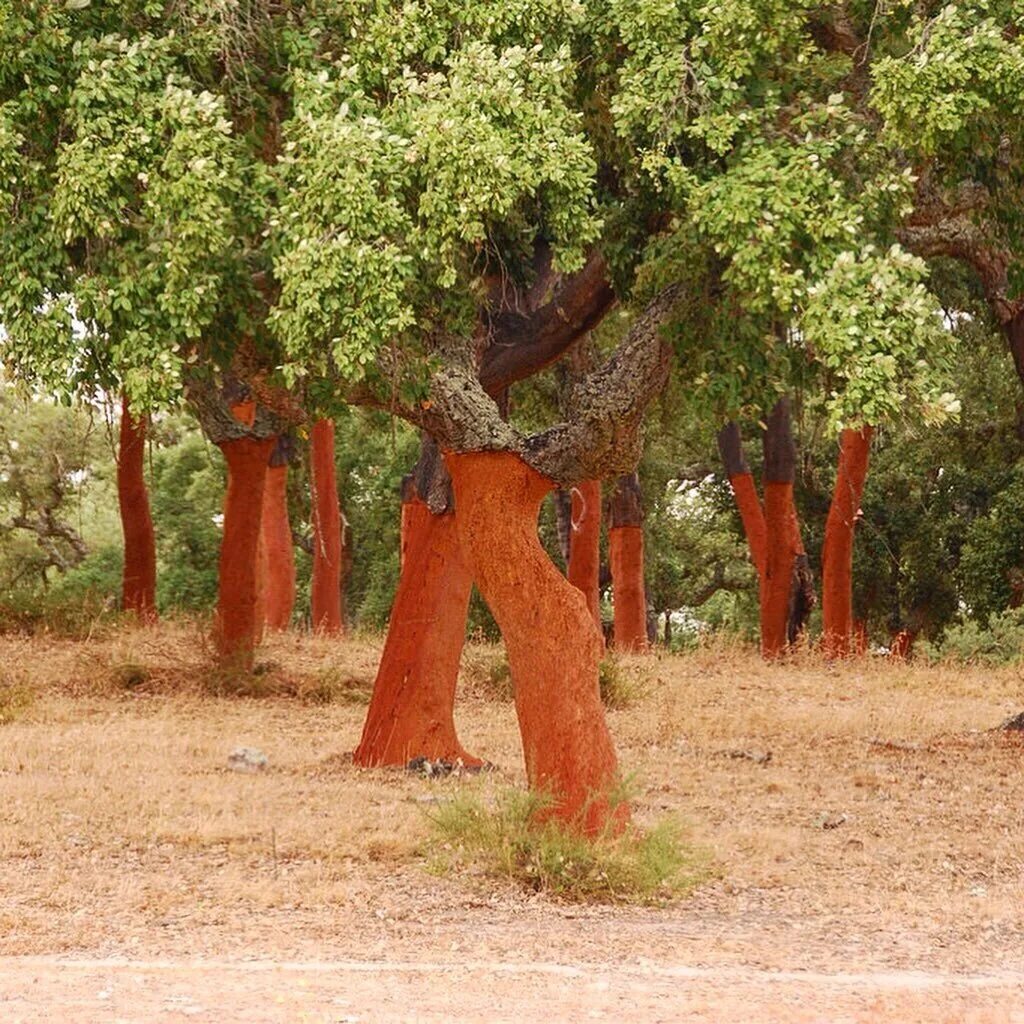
(15, 699)
(331, 686)
(510, 841)
(619, 687)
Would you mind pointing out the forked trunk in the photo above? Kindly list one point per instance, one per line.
(626, 557)
(782, 533)
(326, 584)
(902, 645)
(585, 544)
(411, 712)
(837, 553)
(278, 552)
(744, 490)
(553, 645)
(237, 594)
(138, 582)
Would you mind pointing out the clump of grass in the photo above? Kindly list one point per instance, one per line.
(512, 841)
(486, 672)
(619, 687)
(331, 686)
(15, 700)
(129, 675)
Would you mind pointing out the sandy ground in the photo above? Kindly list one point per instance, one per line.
(863, 824)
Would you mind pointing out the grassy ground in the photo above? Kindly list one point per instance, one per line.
(859, 816)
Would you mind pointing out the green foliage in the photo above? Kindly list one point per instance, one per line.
(999, 642)
(511, 842)
(187, 495)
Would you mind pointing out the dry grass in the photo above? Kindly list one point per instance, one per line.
(884, 827)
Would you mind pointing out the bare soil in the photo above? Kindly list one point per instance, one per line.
(864, 822)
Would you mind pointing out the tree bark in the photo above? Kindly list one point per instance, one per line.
(138, 583)
(782, 532)
(327, 554)
(745, 493)
(837, 552)
(585, 544)
(411, 712)
(238, 583)
(626, 555)
(553, 646)
(278, 551)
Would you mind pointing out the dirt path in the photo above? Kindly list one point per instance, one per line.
(34, 990)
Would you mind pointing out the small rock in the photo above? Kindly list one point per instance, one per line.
(757, 756)
(830, 821)
(1014, 724)
(247, 759)
(430, 769)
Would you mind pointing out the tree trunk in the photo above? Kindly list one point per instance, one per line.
(837, 552)
(782, 533)
(626, 555)
(279, 554)
(745, 492)
(327, 553)
(553, 646)
(138, 582)
(585, 545)
(902, 645)
(411, 712)
(237, 595)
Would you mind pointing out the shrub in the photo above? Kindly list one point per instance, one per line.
(509, 842)
(1000, 641)
(620, 688)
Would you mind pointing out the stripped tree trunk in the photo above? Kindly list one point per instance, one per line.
(782, 532)
(238, 582)
(626, 554)
(744, 490)
(585, 544)
(553, 645)
(327, 542)
(411, 711)
(278, 551)
(138, 583)
(837, 552)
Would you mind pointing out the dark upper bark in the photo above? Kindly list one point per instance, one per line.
(730, 446)
(522, 341)
(600, 436)
(779, 447)
(626, 506)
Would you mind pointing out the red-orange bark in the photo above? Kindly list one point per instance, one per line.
(325, 590)
(411, 712)
(278, 552)
(237, 595)
(585, 544)
(837, 552)
(752, 514)
(626, 555)
(138, 582)
(553, 646)
(782, 534)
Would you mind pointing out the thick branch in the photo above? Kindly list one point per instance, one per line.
(522, 343)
